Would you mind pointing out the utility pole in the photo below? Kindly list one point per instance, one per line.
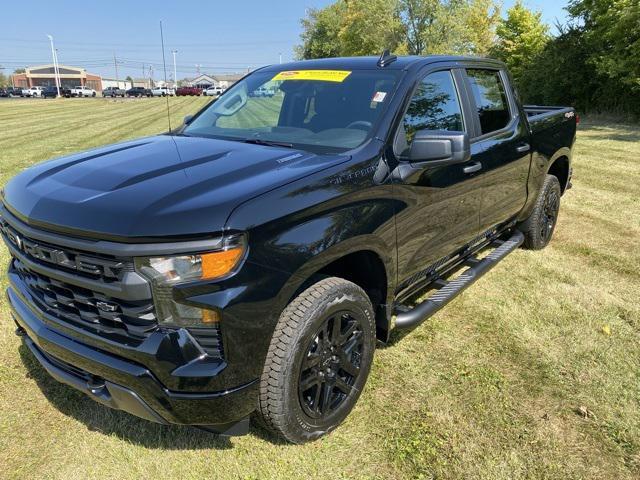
(59, 82)
(115, 64)
(280, 57)
(198, 68)
(175, 72)
(55, 65)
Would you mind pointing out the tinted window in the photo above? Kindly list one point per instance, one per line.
(491, 99)
(434, 106)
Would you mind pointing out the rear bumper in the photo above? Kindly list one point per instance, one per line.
(126, 385)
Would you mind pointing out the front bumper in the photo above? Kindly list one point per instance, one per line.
(125, 384)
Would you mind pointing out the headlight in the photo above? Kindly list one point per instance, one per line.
(165, 272)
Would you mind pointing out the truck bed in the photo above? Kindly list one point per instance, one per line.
(535, 112)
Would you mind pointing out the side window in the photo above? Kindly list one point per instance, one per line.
(491, 99)
(434, 106)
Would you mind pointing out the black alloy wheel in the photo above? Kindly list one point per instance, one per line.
(318, 360)
(331, 364)
(549, 215)
(539, 226)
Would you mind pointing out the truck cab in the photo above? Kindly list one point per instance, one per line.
(248, 262)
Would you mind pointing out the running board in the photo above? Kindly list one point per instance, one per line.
(448, 290)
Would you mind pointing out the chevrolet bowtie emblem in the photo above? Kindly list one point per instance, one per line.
(105, 306)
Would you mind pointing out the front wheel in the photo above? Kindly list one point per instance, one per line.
(538, 228)
(318, 360)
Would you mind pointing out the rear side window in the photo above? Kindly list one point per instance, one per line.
(491, 99)
(434, 106)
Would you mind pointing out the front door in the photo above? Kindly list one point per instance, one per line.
(439, 206)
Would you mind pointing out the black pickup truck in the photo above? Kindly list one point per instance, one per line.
(246, 264)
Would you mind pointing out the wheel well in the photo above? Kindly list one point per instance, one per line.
(560, 169)
(365, 269)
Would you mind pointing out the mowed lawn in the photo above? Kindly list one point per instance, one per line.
(534, 372)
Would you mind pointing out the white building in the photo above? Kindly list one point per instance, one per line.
(218, 80)
(113, 83)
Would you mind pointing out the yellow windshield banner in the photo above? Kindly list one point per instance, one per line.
(322, 75)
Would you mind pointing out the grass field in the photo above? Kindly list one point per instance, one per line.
(534, 372)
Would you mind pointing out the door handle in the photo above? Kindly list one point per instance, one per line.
(474, 167)
(524, 148)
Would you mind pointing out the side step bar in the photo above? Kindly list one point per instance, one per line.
(449, 290)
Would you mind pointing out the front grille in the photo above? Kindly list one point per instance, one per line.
(43, 268)
(94, 266)
(67, 284)
(87, 308)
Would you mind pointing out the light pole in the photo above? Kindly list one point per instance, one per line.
(55, 65)
(175, 73)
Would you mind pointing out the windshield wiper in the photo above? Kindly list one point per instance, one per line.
(269, 143)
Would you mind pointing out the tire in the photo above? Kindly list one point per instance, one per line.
(538, 228)
(314, 370)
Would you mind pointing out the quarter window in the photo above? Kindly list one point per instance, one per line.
(434, 106)
(491, 99)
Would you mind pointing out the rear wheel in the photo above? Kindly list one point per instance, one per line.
(538, 228)
(318, 361)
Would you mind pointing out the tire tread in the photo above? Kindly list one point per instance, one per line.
(272, 412)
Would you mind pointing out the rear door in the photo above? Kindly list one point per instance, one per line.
(441, 204)
(505, 152)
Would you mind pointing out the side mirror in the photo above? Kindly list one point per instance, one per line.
(187, 119)
(440, 147)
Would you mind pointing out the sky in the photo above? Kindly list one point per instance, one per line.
(210, 37)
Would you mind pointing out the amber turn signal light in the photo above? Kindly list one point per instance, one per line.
(218, 264)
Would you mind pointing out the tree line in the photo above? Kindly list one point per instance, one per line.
(591, 61)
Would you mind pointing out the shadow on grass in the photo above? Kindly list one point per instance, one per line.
(621, 134)
(130, 428)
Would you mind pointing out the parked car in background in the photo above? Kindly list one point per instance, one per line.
(82, 91)
(213, 91)
(138, 92)
(33, 92)
(50, 92)
(188, 91)
(15, 92)
(3, 93)
(163, 92)
(113, 92)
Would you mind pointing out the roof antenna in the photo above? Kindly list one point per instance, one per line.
(386, 58)
(164, 63)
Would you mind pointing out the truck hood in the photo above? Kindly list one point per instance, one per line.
(156, 187)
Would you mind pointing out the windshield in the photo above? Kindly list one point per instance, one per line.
(323, 111)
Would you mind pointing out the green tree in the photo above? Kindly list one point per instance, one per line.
(320, 32)
(521, 39)
(416, 27)
(480, 20)
(3, 80)
(612, 31)
(420, 20)
(370, 26)
(19, 70)
(547, 82)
